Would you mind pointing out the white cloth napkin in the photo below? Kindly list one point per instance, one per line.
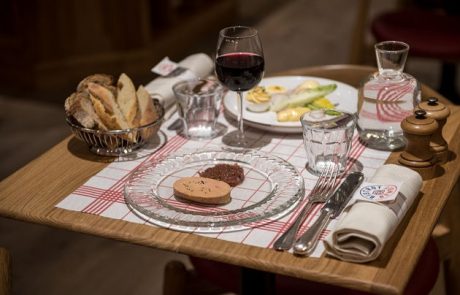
(198, 65)
(361, 234)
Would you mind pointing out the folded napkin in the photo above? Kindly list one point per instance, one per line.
(197, 65)
(366, 226)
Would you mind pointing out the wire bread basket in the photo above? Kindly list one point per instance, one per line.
(117, 142)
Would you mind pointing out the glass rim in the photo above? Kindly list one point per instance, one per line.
(317, 126)
(219, 87)
(252, 32)
(405, 46)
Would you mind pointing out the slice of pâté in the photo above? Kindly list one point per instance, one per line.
(202, 190)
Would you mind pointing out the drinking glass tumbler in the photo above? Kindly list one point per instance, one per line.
(327, 139)
(199, 104)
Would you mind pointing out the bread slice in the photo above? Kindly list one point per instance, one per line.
(146, 111)
(106, 107)
(202, 190)
(101, 79)
(78, 105)
(126, 99)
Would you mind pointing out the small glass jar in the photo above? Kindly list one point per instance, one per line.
(386, 98)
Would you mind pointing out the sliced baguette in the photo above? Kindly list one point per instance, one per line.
(101, 79)
(146, 112)
(126, 99)
(78, 105)
(106, 107)
(202, 190)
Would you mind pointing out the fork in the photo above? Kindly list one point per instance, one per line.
(319, 194)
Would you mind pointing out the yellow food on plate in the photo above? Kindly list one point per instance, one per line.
(273, 89)
(258, 100)
(261, 94)
(291, 114)
(323, 103)
(258, 95)
(309, 84)
(290, 105)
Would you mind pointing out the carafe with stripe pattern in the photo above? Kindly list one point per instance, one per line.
(386, 98)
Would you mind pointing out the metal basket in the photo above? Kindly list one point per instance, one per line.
(117, 142)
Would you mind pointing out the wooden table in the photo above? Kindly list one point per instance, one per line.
(31, 193)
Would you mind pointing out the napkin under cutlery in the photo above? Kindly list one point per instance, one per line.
(361, 234)
(197, 65)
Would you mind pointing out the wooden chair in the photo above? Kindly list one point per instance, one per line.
(5, 280)
(432, 30)
(178, 280)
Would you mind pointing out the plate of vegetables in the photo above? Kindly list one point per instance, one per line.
(277, 103)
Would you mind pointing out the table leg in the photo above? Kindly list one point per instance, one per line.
(257, 282)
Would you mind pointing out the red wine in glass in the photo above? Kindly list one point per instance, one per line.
(240, 71)
(239, 66)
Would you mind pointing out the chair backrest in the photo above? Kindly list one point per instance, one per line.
(4, 272)
(443, 6)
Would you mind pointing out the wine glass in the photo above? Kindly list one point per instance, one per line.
(239, 66)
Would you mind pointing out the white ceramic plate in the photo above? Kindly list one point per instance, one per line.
(345, 97)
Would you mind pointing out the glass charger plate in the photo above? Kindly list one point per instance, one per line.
(271, 188)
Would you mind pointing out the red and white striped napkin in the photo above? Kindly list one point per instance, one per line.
(103, 195)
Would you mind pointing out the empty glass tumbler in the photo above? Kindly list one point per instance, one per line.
(199, 103)
(386, 98)
(327, 139)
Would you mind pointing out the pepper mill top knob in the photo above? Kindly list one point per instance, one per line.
(419, 124)
(434, 109)
(432, 101)
(420, 114)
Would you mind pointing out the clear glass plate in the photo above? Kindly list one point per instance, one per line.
(271, 187)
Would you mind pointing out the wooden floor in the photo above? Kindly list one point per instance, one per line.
(50, 261)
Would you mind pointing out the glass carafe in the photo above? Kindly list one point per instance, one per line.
(386, 98)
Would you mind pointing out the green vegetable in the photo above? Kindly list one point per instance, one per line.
(332, 112)
(312, 106)
(303, 98)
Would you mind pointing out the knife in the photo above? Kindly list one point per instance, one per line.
(333, 207)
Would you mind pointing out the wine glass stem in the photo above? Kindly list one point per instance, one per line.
(240, 113)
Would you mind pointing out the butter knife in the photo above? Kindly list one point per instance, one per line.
(333, 207)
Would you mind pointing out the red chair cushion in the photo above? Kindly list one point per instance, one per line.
(428, 33)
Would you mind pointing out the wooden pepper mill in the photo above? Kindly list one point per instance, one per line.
(438, 111)
(418, 130)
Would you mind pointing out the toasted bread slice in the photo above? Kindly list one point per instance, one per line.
(202, 190)
(78, 105)
(126, 99)
(101, 79)
(146, 112)
(106, 107)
